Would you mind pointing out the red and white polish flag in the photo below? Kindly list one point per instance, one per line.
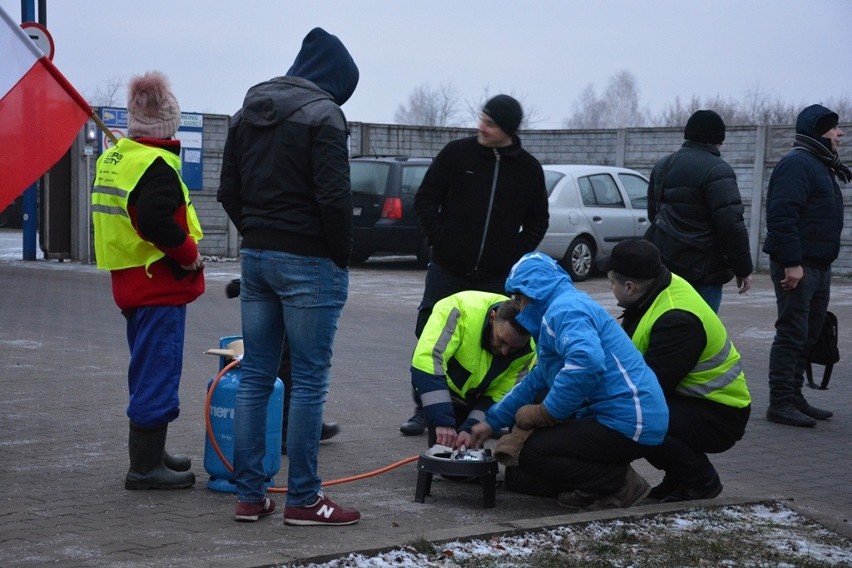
(40, 112)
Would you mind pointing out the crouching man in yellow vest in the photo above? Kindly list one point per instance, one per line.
(146, 235)
(470, 354)
(686, 345)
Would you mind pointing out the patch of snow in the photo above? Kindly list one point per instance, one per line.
(777, 526)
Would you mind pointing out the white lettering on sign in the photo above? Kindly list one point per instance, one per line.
(222, 412)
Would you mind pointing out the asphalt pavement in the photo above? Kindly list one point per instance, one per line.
(63, 430)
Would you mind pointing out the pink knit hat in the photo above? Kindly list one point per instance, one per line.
(152, 108)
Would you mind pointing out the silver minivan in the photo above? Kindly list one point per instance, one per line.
(591, 209)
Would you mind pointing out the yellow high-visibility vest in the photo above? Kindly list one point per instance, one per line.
(117, 244)
(718, 374)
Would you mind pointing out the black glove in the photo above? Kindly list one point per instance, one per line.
(232, 289)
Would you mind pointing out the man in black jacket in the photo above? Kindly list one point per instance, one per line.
(696, 212)
(285, 186)
(483, 205)
(804, 219)
(686, 345)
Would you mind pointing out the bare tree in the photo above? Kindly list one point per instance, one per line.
(532, 114)
(617, 107)
(758, 107)
(676, 113)
(842, 106)
(108, 93)
(428, 106)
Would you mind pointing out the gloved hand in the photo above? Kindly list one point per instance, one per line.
(509, 447)
(232, 289)
(531, 416)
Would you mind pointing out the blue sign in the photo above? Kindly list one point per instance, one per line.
(189, 133)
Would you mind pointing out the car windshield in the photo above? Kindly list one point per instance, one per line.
(637, 190)
(369, 177)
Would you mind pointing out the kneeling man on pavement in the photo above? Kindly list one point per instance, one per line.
(470, 354)
(686, 345)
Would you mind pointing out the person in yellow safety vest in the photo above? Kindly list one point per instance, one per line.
(146, 235)
(470, 354)
(686, 345)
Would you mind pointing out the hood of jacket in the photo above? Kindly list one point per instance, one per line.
(541, 279)
(324, 61)
(268, 103)
(806, 123)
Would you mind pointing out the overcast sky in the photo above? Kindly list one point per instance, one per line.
(545, 52)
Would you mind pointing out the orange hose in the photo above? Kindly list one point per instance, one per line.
(207, 423)
(227, 464)
(355, 477)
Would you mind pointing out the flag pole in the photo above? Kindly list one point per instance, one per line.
(104, 128)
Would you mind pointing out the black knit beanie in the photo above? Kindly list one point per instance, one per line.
(506, 112)
(705, 126)
(827, 122)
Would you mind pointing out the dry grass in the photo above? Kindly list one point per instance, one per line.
(762, 535)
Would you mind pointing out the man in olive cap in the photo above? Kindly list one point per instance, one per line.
(482, 205)
(804, 219)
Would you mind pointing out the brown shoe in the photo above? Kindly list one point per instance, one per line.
(633, 490)
(576, 500)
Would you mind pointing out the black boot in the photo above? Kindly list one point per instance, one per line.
(147, 470)
(329, 430)
(786, 413)
(662, 490)
(415, 425)
(176, 462)
(802, 406)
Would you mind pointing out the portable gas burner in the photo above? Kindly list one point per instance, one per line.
(459, 464)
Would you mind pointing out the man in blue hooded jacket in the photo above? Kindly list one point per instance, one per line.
(804, 219)
(602, 406)
(285, 186)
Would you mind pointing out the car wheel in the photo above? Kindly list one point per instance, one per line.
(423, 254)
(359, 256)
(578, 259)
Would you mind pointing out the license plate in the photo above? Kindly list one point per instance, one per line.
(356, 211)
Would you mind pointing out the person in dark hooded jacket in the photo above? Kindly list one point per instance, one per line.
(804, 219)
(285, 186)
(696, 212)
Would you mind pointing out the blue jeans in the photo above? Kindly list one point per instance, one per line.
(300, 297)
(712, 294)
(801, 312)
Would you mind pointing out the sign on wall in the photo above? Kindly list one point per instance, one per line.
(189, 133)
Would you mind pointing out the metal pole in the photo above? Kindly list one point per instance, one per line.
(30, 197)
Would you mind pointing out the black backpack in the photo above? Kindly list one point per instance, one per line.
(824, 352)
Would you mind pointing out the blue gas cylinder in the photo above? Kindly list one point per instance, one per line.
(222, 404)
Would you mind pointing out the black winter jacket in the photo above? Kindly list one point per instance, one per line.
(285, 168)
(285, 171)
(702, 236)
(482, 208)
(804, 212)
